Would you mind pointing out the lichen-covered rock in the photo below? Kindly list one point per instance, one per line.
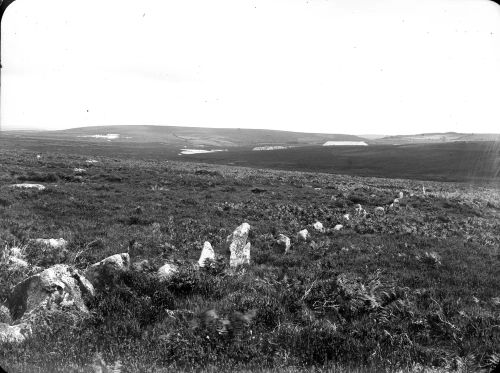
(239, 247)
(14, 333)
(56, 288)
(166, 271)
(284, 241)
(97, 272)
(303, 235)
(206, 253)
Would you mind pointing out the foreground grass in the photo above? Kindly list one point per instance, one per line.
(412, 289)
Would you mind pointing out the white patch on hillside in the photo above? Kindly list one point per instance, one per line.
(199, 151)
(275, 147)
(109, 136)
(341, 143)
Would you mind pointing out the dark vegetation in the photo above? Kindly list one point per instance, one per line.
(473, 162)
(414, 288)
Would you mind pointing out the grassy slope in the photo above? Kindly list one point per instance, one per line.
(393, 307)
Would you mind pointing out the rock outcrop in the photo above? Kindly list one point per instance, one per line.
(206, 253)
(56, 288)
(239, 247)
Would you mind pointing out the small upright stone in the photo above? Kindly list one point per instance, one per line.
(284, 241)
(401, 195)
(206, 253)
(303, 235)
(379, 211)
(240, 249)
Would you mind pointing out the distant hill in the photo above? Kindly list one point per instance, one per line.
(437, 138)
(190, 136)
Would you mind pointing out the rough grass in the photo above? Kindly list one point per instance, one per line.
(408, 291)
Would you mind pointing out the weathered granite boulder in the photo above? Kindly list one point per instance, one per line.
(56, 288)
(206, 253)
(14, 333)
(239, 247)
(284, 241)
(97, 272)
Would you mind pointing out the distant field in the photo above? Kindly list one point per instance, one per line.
(459, 161)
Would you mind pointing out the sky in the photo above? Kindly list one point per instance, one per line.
(332, 66)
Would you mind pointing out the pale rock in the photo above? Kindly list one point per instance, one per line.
(113, 263)
(347, 217)
(79, 170)
(5, 315)
(338, 227)
(166, 271)
(55, 288)
(360, 210)
(379, 211)
(14, 333)
(401, 195)
(284, 241)
(29, 186)
(206, 253)
(318, 226)
(55, 243)
(303, 234)
(239, 248)
(396, 202)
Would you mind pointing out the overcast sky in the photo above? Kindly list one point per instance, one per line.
(335, 66)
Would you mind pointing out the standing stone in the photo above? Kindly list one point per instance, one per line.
(303, 234)
(57, 287)
(240, 249)
(206, 253)
(379, 211)
(401, 195)
(284, 241)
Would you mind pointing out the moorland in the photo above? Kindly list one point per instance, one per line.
(413, 289)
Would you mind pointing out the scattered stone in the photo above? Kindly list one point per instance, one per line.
(423, 190)
(206, 253)
(347, 217)
(284, 241)
(338, 227)
(91, 161)
(379, 211)
(54, 243)
(58, 287)
(14, 333)
(114, 263)
(303, 234)
(5, 315)
(38, 156)
(79, 170)
(240, 249)
(360, 210)
(29, 186)
(318, 226)
(396, 202)
(401, 195)
(166, 271)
